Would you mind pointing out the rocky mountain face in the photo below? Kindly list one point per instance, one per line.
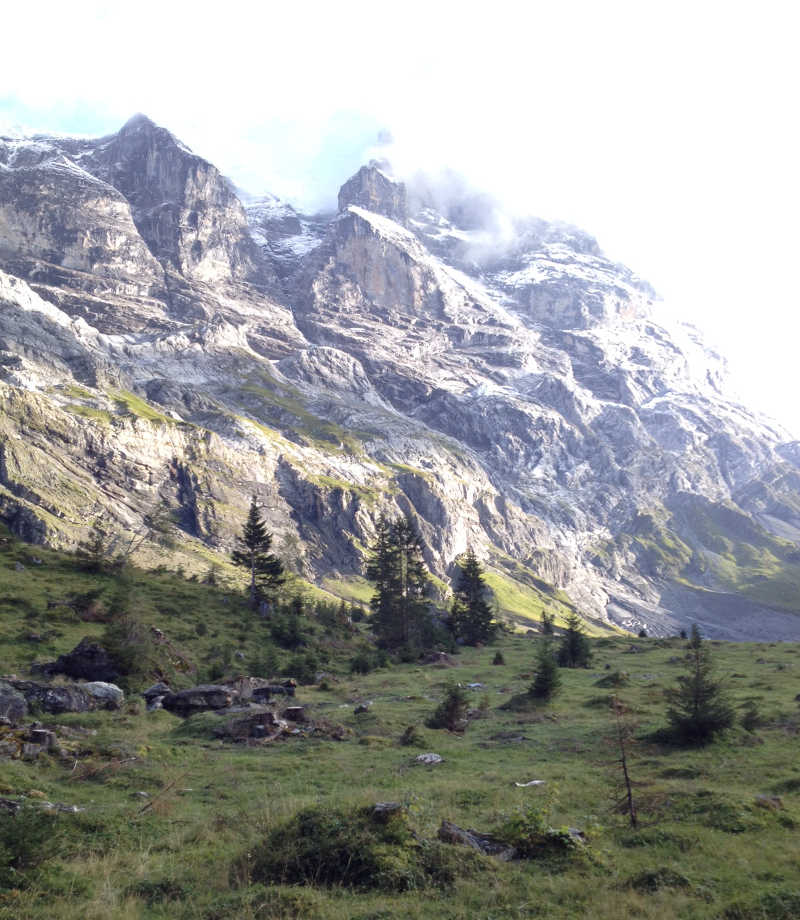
(501, 379)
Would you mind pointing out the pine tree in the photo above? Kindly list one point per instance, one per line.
(471, 618)
(698, 707)
(574, 651)
(547, 682)
(399, 606)
(264, 568)
(93, 552)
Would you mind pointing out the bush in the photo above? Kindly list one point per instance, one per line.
(452, 711)
(530, 833)
(360, 849)
(360, 663)
(412, 737)
(303, 666)
(27, 839)
(130, 645)
(614, 679)
(498, 658)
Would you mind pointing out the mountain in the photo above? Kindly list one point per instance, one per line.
(164, 340)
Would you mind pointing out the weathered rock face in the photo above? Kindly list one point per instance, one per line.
(13, 705)
(55, 698)
(370, 188)
(87, 661)
(500, 379)
(199, 699)
(186, 212)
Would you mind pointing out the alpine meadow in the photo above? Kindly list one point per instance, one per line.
(391, 561)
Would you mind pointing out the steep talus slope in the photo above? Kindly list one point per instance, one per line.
(500, 378)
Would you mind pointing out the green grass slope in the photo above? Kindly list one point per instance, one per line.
(174, 818)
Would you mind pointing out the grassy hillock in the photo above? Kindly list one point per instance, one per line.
(176, 822)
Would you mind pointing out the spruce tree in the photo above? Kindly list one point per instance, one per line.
(399, 606)
(265, 569)
(698, 707)
(471, 618)
(547, 681)
(574, 651)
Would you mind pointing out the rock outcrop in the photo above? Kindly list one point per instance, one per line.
(498, 378)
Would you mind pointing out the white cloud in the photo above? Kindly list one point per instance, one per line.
(667, 131)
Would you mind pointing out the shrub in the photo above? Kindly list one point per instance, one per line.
(530, 833)
(303, 666)
(411, 737)
(451, 713)
(360, 849)
(27, 839)
(498, 658)
(614, 679)
(130, 645)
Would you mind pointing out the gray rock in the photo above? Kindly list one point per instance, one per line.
(295, 714)
(45, 739)
(383, 812)
(55, 698)
(105, 695)
(89, 660)
(509, 389)
(485, 843)
(199, 699)
(429, 758)
(13, 705)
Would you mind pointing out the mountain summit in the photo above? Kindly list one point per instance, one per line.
(161, 343)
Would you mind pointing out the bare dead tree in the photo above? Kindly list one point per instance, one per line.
(623, 738)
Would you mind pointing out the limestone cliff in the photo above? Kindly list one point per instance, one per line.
(161, 342)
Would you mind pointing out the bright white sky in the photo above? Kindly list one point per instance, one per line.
(669, 131)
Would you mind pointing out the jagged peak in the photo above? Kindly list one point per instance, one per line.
(374, 190)
(138, 122)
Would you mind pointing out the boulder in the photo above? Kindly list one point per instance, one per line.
(199, 699)
(45, 739)
(258, 723)
(106, 696)
(383, 812)
(53, 698)
(263, 693)
(485, 843)
(154, 695)
(294, 714)
(87, 661)
(13, 705)
(430, 758)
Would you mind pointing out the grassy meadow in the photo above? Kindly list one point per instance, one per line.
(173, 821)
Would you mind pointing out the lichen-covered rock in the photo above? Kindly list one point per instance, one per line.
(199, 699)
(55, 698)
(105, 695)
(13, 705)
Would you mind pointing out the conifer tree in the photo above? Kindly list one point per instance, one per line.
(574, 651)
(264, 568)
(698, 707)
(547, 682)
(399, 606)
(471, 617)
